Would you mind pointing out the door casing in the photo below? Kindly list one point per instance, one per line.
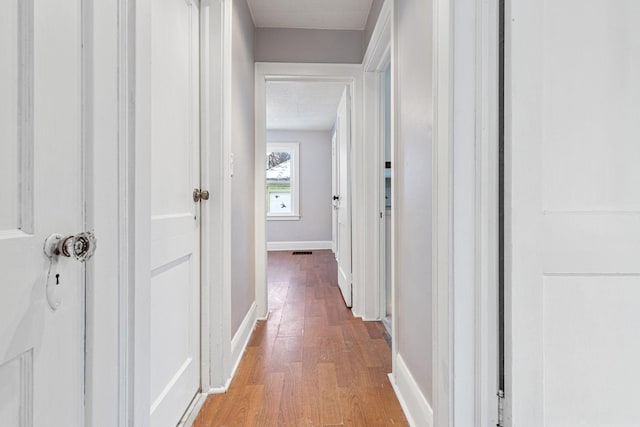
(117, 44)
(465, 154)
(376, 59)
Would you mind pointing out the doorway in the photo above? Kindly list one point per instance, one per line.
(386, 196)
(307, 178)
(337, 76)
(378, 117)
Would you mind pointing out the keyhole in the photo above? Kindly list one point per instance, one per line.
(57, 279)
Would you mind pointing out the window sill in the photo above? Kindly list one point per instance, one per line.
(283, 217)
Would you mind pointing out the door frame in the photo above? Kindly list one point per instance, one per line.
(117, 38)
(352, 76)
(216, 18)
(377, 57)
(465, 210)
(118, 152)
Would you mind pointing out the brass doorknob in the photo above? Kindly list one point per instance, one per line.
(200, 195)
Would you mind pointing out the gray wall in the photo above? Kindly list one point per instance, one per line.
(242, 183)
(315, 189)
(412, 166)
(300, 45)
(376, 6)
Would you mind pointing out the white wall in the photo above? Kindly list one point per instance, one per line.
(309, 46)
(412, 165)
(315, 189)
(242, 140)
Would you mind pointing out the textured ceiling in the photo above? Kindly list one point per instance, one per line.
(310, 14)
(302, 105)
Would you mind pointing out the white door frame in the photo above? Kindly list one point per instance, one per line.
(376, 59)
(117, 131)
(465, 212)
(118, 150)
(486, 216)
(216, 17)
(352, 76)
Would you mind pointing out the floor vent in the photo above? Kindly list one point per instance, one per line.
(302, 253)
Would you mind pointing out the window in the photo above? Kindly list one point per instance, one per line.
(282, 181)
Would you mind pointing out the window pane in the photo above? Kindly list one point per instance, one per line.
(278, 165)
(279, 201)
(279, 182)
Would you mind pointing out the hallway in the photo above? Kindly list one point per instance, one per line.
(312, 362)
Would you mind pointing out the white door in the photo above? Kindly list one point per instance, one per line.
(334, 192)
(573, 213)
(41, 322)
(175, 222)
(343, 132)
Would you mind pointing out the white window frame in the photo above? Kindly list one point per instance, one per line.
(294, 149)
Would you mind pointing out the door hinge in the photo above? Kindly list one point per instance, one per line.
(500, 408)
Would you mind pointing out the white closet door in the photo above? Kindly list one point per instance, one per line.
(573, 212)
(175, 222)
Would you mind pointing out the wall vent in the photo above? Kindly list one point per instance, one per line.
(302, 253)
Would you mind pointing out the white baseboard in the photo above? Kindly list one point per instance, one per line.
(295, 246)
(241, 339)
(219, 390)
(238, 345)
(415, 405)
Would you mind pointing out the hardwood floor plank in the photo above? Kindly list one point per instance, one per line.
(269, 411)
(244, 369)
(291, 395)
(391, 406)
(330, 410)
(353, 406)
(209, 411)
(311, 363)
(291, 327)
(240, 409)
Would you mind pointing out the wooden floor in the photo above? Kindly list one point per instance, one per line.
(311, 363)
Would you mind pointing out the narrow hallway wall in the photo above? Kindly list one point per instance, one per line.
(242, 182)
(413, 204)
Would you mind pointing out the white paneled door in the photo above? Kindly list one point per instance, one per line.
(175, 222)
(343, 201)
(41, 192)
(334, 192)
(573, 213)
